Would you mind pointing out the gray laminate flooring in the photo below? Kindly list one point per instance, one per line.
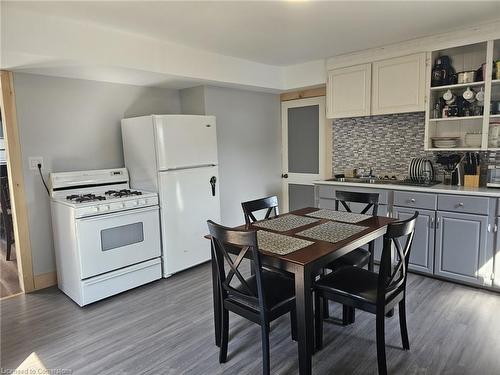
(166, 327)
(9, 281)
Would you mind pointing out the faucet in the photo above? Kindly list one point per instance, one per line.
(369, 175)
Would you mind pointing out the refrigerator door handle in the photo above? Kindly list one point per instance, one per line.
(213, 181)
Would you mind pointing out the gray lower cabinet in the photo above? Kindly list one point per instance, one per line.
(422, 250)
(454, 237)
(496, 257)
(461, 247)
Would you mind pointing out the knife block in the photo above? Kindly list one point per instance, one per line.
(472, 180)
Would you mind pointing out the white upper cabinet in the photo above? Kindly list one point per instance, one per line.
(398, 85)
(348, 91)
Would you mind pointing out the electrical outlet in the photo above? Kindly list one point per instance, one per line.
(34, 161)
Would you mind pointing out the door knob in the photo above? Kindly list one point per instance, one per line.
(285, 175)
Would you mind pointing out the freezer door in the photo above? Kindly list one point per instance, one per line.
(187, 200)
(185, 141)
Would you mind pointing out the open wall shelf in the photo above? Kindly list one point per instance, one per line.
(481, 116)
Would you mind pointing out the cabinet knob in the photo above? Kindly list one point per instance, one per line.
(460, 204)
(284, 175)
(412, 200)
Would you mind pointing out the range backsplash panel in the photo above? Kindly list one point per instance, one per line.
(385, 143)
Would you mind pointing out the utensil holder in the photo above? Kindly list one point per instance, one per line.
(472, 180)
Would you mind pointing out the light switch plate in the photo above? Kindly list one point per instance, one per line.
(34, 161)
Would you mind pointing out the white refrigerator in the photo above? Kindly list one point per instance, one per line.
(176, 155)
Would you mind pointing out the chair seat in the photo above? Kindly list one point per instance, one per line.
(358, 258)
(352, 282)
(278, 290)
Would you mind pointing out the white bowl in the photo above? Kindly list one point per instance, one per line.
(473, 140)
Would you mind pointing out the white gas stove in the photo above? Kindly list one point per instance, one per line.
(106, 236)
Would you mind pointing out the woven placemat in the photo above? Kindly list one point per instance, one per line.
(331, 231)
(285, 222)
(346, 217)
(279, 243)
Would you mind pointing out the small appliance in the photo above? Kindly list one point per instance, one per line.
(493, 166)
(442, 72)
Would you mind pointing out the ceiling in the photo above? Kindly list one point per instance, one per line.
(277, 33)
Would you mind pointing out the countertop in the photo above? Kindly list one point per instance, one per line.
(438, 189)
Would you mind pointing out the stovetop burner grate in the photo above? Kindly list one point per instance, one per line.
(122, 193)
(80, 198)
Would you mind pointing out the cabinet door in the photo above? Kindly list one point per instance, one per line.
(461, 247)
(399, 85)
(422, 250)
(348, 91)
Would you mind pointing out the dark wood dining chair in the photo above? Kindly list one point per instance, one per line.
(372, 292)
(6, 215)
(359, 257)
(269, 203)
(260, 298)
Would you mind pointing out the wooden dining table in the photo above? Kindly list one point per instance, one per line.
(305, 264)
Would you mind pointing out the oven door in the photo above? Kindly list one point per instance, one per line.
(112, 241)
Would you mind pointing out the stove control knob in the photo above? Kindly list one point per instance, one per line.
(134, 203)
(95, 209)
(142, 201)
(105, 207)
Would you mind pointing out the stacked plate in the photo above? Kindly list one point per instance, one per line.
(445, 142)
(420, 169)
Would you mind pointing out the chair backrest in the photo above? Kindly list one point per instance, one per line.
(245, 241)
(392, 279)
(269, 203)
(371, 200)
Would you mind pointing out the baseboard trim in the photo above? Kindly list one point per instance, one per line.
(12, 295)
(45, 280)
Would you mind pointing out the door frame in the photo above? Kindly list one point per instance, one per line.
(16, 182)
(324, 149)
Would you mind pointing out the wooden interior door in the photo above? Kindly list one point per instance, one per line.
(304, 161)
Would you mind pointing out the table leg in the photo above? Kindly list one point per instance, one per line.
(371, 249)
(216, 295)
(305, 329)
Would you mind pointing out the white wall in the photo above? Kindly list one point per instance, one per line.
(30, 40)
(249, 143)
(74, 125)
(193, 101)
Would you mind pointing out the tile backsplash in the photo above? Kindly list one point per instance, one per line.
(385, 143)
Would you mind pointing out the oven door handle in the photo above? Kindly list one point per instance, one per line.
(118, 213)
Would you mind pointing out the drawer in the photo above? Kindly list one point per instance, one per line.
(462, 203)
(418, 200)
(326, 191)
